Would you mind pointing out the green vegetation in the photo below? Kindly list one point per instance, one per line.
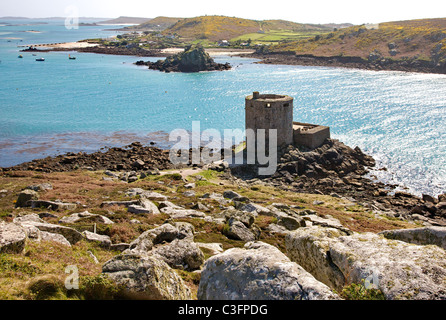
(212, 28)
(39, 272)
(357, 291)
(275, 36)
(237, 30)
(414, 39)
(209, 31)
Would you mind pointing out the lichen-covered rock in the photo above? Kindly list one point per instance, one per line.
(55, 237)
(211, 248)
(166, 232)
(72, 235)
(40, 187)
(172, 243)
(180, 254)
(83, 216)
(154, 196)
(52, 205)
(401, 270)
(148, 276)
(309, 247)
(258, 272)
(236, 230)
(32, 217)
(179, 213)
(253, 208)
(230, 194)
(32, 232)
(423, 236)
(12, 238)
(103, 240)
(328, 222)
(247, 218)
(144, 206)
(185, 230)
(290, 222)
(145, 203)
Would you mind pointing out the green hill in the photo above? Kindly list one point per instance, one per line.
(423, 39)
(215, 28)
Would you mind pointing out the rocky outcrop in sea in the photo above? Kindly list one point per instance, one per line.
(192, 59)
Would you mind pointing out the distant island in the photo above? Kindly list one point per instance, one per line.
(126, 20)
(156, 24)
(413, 45)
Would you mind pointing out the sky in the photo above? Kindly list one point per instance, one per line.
(308, 11)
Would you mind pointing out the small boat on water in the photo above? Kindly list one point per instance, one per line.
(34, 54)
(20, 56)
(40, 59)
(71, 58)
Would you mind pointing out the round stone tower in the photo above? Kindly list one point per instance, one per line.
(270, 111)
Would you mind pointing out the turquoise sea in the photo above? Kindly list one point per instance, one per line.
(61, 105)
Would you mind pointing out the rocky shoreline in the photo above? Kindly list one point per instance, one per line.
(290, 58)
(332, 169)
(338, 170)
(128, 157)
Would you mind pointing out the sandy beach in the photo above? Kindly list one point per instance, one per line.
(63, 45)
(83, 46)
(213, 51)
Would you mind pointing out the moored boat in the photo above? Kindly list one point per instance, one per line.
(40, 59)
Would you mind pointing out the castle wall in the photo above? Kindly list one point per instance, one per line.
(309, 135)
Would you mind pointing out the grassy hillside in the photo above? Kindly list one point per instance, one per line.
(273, 31)
(421, 39)
(215, 28)
(268, 25)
